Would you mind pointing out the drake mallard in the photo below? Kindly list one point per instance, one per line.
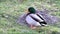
(49, 19)
(34, 19)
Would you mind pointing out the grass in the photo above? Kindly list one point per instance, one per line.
(14, 8)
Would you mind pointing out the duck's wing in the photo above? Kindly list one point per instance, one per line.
(30, 19)
(36, 17)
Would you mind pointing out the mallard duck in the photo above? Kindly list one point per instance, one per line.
(34, 19)
(49, 19)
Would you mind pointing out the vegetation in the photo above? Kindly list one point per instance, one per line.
(10, 10)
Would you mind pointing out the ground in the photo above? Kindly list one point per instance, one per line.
(10, 10)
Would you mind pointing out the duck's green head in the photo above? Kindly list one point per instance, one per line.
(31, 10)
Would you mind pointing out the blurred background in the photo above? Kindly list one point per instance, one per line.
(10, 10)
